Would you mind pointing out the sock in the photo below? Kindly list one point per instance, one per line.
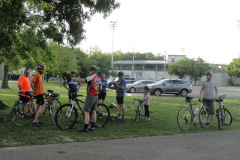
(86, 126)
(93, 124)
(35, 121)
(122, 116)
(119, 114)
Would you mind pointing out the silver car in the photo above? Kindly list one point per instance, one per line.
(168, 86)
(138, 86)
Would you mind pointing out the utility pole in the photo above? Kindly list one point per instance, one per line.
(165, 59)
(133, 53)
(113, 25)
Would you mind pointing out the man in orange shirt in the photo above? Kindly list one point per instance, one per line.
(38, 93)
(24, 86)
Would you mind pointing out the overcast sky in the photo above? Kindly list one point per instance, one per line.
(204, 28)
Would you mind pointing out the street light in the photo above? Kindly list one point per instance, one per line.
(113, 25)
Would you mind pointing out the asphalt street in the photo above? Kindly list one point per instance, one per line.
(207, 145)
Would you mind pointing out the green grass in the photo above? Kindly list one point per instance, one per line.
(163, 114)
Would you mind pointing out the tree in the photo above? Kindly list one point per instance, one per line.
(234, 68)
(194, 69)
(45, 19)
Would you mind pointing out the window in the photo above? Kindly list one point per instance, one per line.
(169, 82)
(177, 82)
(143, 82)
(149, 82)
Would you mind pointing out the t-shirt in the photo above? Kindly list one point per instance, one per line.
(104, 89)
(73, 85)
(209, 89)
(146, 102)
(25, 84)
(93, 84)
(38, 84)
(120, 92)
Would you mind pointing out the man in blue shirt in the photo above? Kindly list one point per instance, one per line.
(103, 92)
(73, 89)
(120, 89)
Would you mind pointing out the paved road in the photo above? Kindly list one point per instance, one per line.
(230, 91)
(210, 145)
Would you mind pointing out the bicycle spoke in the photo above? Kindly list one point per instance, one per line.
(184, 118)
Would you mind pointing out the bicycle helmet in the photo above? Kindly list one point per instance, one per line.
(40, 66)
(208, 73)
(73, 71)
(93, 68)
(146, 88)
(120, 73)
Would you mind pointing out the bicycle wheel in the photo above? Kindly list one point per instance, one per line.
(66, 116)
(17, 117)
(220, 118)
(103, 115)
(205, 116)
(52, 111)
(184, 118)
(137, 115)
(227, 118)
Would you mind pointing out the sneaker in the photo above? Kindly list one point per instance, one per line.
(40, 123)
(148, 119)
(36, 124)
(82, 130)
(120, 117)
(91, 129)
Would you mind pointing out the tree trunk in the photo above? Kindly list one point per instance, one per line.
(47, 77)
(5, 77)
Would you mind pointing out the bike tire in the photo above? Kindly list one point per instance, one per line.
(184, 118)
(227, 117)
(64, 119)
(53, 107)
(137, 115)
(220, 118)
(205, 117)
(102, 115)
(17, 117)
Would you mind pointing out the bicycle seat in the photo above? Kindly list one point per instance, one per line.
(51, 91)
(188, 99)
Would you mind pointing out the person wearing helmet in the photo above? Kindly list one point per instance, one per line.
(72, 86)
(146, 102)
(209, 90)
(38, 93)
(93, 86)
(120, 89)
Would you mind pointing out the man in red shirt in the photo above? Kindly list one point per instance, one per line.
(94, 85)
(24, 86)
(38, 93)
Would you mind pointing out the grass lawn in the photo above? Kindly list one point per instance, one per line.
(163, 114)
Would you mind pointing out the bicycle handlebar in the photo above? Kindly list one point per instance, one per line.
(139, 100)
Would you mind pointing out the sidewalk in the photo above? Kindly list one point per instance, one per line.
(207, 145)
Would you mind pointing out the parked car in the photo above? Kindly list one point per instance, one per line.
(113, 83)
(168, 86)
(138, 86)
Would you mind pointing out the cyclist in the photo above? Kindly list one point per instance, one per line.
(120, 89)
(146, 102)
(72, 86)
(38, 93)
(94, 85)
(208, 88)
(23, 74)
(103, 92)
(24, 86)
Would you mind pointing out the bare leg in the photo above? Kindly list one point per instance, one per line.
(86, 114)
(39, 112)
(121, 109)
(94, 117)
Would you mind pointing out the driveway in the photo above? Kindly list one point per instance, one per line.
(230, 91)
(219, 145)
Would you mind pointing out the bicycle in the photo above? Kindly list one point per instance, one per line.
(139, 111)
(186, 115)
(19, 118)
(67, 115)
(223, 115)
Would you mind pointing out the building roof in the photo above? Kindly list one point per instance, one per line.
(141, 62)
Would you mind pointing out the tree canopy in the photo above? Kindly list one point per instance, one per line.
(234, 68)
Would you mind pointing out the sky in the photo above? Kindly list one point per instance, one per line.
(203, 28)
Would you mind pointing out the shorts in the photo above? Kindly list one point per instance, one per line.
(40, 99)
(91, 103)
(120, 99)
(72, 95)
(102, 95)
(209, 103)
(24, 99)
